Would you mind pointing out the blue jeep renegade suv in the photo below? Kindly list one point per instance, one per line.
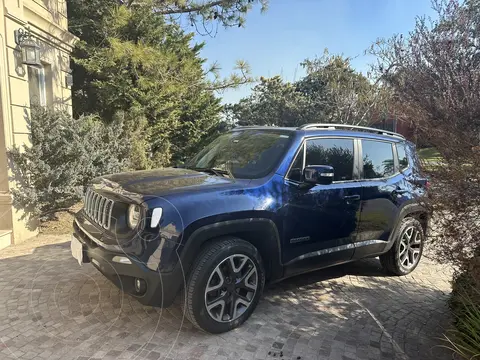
(257, 205)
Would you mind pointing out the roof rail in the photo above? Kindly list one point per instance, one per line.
(349, 127)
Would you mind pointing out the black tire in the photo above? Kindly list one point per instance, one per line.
(394, 261)
(214, 257)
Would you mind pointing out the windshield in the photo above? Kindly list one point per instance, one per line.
(244, 154)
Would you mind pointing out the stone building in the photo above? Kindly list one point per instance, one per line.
(35, 48)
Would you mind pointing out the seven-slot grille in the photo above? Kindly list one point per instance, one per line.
(98, 208)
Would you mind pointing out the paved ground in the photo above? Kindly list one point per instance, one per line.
(50, 308)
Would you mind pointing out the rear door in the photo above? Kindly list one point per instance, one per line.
(383, 188)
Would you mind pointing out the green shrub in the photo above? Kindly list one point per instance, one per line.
(465, 305)
(65, 153)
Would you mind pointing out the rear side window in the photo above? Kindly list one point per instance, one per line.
(337, 153)
(377, 159)
(402, 156)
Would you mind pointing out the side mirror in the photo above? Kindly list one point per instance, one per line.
(318, 174)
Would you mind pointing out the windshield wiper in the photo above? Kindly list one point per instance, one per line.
(214, 171)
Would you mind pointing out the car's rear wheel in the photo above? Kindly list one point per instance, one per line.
(407, 250)
(224, 286)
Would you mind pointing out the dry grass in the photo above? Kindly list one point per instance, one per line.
(60, 223)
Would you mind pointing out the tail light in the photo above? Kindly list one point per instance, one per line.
(427, 184)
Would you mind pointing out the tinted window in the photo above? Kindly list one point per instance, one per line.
(377, 159)
(402, 156)
(295, 172)
(333, 152)
(245, 154)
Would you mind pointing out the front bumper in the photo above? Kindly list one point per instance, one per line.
(161, 287)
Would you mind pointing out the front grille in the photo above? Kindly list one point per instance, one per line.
(98, 208)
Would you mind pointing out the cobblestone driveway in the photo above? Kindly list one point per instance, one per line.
(50, 308)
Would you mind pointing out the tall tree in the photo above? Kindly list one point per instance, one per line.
(339, 92)
(135, 62)
(272, 103)
(332, 91)
(205, 14)
(434, 72)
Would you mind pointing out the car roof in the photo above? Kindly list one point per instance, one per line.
(332, 130)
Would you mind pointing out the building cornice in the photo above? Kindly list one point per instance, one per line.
(55, 35)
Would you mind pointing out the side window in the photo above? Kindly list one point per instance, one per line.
(377, 159)
(296, 170)
(337, 153)
(402, 156)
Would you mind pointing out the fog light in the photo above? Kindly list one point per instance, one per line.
(121, 260)
(140, 286)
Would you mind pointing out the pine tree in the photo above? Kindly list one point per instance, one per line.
(135, 63)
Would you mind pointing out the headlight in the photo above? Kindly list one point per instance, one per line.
(133, 217)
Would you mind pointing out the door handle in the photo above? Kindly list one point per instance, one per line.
(400, 191)
(352, 197)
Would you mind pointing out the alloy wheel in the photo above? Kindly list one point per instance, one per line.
(410, 247)
(231, 288)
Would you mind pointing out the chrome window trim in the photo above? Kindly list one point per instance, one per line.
(304, 163)
(357, 148)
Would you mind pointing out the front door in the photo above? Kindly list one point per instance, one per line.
(320, 223)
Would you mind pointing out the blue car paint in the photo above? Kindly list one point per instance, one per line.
(190, 199)
(313, 227)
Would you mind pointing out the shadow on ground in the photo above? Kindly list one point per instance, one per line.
(52, 308)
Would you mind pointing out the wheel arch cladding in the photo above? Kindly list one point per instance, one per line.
(414, 210)
(421, 215)
(261, 233)
(423, 218)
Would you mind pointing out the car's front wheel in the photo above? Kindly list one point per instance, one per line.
(407, 250)
(224, 286)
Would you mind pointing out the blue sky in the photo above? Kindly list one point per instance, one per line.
(275, 42)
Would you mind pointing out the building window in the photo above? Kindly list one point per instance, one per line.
(40, 85)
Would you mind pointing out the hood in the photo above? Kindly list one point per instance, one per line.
(161, 182)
